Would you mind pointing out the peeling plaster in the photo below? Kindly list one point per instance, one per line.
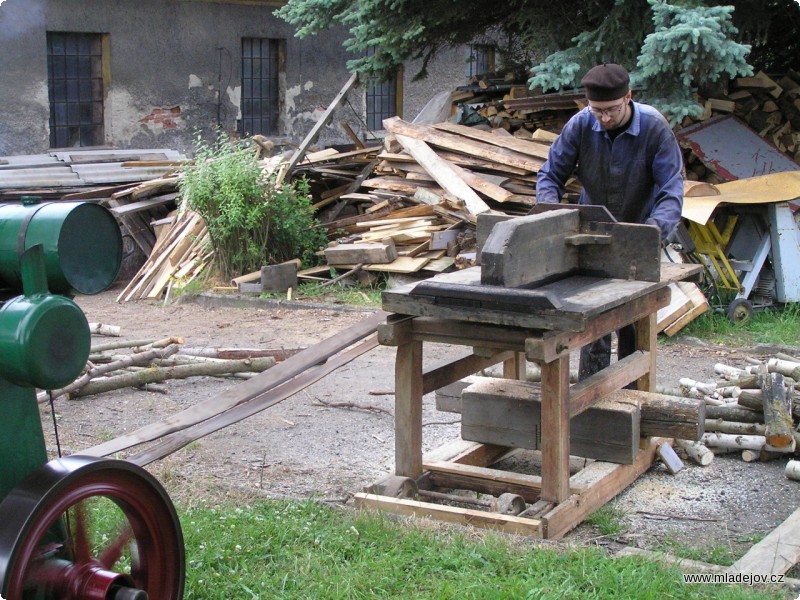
(235, 98)
(195, 81)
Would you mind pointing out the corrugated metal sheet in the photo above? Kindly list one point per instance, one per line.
(734, 151)
(76, 168)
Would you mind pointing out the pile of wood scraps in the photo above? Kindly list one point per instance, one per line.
(179, 256)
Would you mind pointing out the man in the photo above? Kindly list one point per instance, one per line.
(627, 159)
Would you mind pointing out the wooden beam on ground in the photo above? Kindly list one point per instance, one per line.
(243, 392)
(314, 133)
(775, 554)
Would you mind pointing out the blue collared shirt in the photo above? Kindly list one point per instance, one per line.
(637, 176)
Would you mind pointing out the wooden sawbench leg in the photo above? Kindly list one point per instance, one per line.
(408, 409)
(555, 430)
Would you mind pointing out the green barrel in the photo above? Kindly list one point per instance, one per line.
(44, 341)
(82, 245)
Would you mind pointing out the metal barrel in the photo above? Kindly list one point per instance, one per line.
(82, 245)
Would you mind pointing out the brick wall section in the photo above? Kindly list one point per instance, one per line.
(168, 118)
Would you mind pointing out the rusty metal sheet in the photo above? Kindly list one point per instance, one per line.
(732, 150)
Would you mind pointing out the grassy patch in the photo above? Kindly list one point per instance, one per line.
(270, 549)
(607, 519)
(780, 326)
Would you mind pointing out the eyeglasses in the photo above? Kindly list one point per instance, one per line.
(607, 112)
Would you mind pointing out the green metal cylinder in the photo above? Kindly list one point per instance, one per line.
(44, 341)
(82, 245)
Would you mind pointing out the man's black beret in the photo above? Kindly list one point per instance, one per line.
(606, 82)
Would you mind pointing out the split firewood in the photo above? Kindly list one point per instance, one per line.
(157, 375)
(696, 451)
(103, 329)
(141, 358)
(777, 409)
(793, 470)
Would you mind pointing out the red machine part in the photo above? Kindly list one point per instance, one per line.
(50, 548)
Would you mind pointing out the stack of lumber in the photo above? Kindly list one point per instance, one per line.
(179, 256)
(753, 411)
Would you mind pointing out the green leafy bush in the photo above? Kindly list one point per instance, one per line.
(252, 221)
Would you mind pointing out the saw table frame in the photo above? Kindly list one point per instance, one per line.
(563, 501)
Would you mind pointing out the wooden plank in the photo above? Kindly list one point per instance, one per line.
(345, 254)
(447, 175)
(531, 148)
(177, 440)
(450, 514)
(500, 156)
(466, 475)
(775, 554)
(617, 375)
(245, 391)
(322, 122)
(408, 410)
(550, 344)
(555, 428)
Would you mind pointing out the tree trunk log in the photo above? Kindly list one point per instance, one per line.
(777, 410)
(731, 441)
(735, 427)
(734, 412)
(278, 354)
(752, 399)
(131, 360)
(793, 470)
(103, 329)
(696, 451)
(179, 372)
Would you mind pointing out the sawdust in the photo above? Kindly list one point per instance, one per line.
(301, 448)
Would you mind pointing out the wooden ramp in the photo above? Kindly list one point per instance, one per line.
(246, 399)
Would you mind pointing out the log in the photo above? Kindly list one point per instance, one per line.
(736, 442)
(696, 451)
(664, 415)
(734, 412)
(752, 399)
(278, 354)
(786, 368)
(103, 329)
(179, 372)
(138, 359)
(735, 427)
(792, 470)
(97, 348)
(777, 409)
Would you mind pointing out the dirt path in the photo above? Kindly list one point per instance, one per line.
(301, 448)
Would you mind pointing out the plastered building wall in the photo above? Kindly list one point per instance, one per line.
(173, 71)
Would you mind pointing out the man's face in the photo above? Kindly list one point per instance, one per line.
(612, 113)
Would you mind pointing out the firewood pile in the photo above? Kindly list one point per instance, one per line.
(753, 411)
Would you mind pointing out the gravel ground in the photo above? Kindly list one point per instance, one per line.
(303, 447)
